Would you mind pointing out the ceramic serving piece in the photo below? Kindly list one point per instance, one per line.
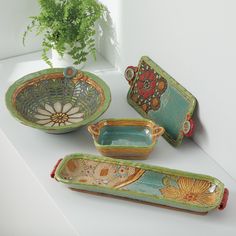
(157, 96)
(125, 138)
(138, 181)
(58, 100)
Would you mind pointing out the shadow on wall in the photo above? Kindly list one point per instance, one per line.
(201, 131)
(106, 39)
(159, 29)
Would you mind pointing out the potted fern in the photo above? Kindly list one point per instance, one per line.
(67, 27)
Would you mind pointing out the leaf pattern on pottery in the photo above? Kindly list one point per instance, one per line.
(191, 190)
(102, 174)
(58, 115)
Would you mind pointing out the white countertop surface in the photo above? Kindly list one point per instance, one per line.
(34, 204)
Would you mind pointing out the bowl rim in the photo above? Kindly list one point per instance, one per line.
(25, 79)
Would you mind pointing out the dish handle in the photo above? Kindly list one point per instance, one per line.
(158, 131)
(94, 130)
(130, 74)
(224, 200)
(188, 126)
(52, 174)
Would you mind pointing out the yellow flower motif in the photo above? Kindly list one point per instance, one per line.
(58, 115)
(190, 190)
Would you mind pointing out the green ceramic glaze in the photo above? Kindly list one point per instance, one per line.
(174, 188)
(125, 136)
(159, 97)
(48, 101)
(172, 115)
(146, 183)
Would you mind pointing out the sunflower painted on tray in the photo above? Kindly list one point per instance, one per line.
(190, 190)
(148, 89)
(58, 115)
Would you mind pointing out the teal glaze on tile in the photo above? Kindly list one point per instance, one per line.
(150, 182)
(165, 117)
(125, 136)
(169, 105)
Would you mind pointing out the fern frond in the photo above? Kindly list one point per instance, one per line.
(67, 22)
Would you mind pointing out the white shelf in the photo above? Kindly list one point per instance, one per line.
(26, 208)
(91, 214)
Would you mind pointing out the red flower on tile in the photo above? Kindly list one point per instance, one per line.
(146, 84)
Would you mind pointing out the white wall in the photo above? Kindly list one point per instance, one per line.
(14, 18)
(108, 32)
(195, 42)
(13, 21)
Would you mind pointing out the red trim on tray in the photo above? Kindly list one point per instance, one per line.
(52, 174)
(192, 128)
(224, 199)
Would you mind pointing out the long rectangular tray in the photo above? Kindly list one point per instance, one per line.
(157, 96)
(138, 181)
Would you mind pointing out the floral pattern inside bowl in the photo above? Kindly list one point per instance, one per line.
(51, 101)
(58, 114)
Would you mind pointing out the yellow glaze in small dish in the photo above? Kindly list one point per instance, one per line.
(125, 138)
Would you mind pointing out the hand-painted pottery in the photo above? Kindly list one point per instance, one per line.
(157, 96)
(138, 181)
(58, 100)
(125, 138)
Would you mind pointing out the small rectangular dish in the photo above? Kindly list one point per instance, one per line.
(157, 96)
(125, 138)
(137, 181)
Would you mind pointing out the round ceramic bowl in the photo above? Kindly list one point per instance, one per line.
(58, 100)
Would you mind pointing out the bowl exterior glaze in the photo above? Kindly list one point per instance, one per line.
(49, 101)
